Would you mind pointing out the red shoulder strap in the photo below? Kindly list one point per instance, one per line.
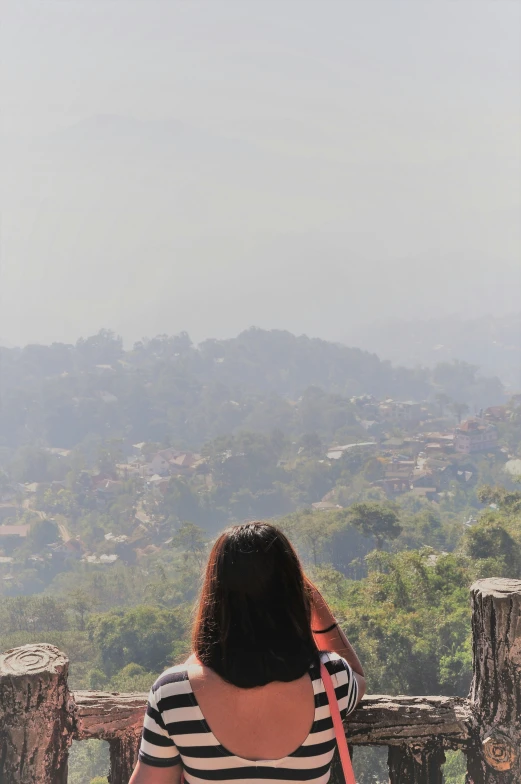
(340, 734)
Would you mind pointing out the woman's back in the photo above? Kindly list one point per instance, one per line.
(222, 732)
(268, 722)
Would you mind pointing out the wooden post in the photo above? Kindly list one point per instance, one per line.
(35, 723)
(123, 755)
(495, 695)
(414, 764)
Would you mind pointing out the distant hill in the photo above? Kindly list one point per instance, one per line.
(167, 388)
(493, 343)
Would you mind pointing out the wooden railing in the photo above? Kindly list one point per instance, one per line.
(39, 717)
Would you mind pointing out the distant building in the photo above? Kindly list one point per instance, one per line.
(12, 536)
(392, 486)
(60, 551)
(495, 413)
(336, 452)
(108, 487)
(475, 436)
(14, 532)
(57, 451)
(424, 492)
(399, 469)
(173, 462)
(407, 412)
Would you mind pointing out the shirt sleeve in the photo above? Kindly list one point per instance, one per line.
(157, 747)
(344, 682)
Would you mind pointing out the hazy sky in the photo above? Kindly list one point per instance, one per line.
(209, 165)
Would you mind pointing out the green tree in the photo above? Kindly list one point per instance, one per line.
(312, 444)
(377, 520)
(506, 500)
(311, 532)
(191, 539)
(490, 539)
(143, 635)
(42, 533)
(80, 603)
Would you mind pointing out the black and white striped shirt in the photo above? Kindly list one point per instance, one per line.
(175, 731)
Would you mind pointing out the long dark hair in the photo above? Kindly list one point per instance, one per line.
(253, 623)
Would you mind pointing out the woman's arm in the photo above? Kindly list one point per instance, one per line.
(334, 640)
(148, 774)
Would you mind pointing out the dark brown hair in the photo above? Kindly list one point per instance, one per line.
(253, 623)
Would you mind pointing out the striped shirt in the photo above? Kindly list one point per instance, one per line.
(175, 731)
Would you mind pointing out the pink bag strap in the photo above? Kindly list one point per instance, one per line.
(340, 734)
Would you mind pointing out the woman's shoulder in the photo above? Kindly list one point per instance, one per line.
(335, 664)
(174, 679)
(332, 660)
(344, 681)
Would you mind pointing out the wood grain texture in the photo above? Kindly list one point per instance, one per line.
(35, 715)
(495, 694)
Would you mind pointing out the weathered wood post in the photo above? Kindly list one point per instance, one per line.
(415, 764)
(35, 723)
(495, 693)
(123, 755)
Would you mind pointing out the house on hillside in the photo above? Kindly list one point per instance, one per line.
(172, 462)
(33, 487)
(57, 451)
(125, 470)
(392, 486)
(495, 414)
(367, 406)
(475, 435)
(107, 489)
(72, 548)
(184, 464)
(138, 449)
(157, 484)
(422, 478)
(336, 452)
(406, 413)
(429, 493)
(12, 536)
(439, 443)
(161, 461)
(158, 465)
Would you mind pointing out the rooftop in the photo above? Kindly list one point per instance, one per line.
(14, 530)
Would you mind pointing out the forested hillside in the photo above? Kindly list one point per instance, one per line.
(168, 390)
(119, 467)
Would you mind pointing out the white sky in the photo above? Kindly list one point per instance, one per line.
(212, 164)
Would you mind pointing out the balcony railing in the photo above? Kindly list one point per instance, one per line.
(39, 716)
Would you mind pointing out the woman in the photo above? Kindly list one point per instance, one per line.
(249, 703)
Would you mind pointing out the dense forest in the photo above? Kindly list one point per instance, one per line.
(169, 390)
(118, 468)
